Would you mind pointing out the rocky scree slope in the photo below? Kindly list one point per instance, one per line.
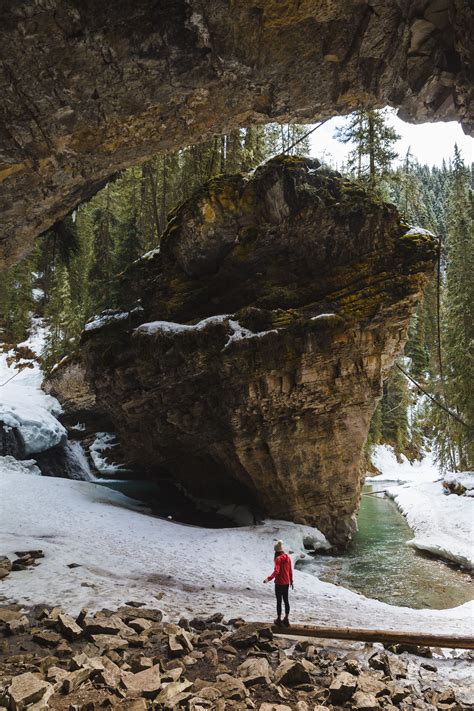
(265, 326)
(132, 659)
(87, 92)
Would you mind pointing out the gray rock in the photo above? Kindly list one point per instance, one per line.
(146, 683)
(342, 687)
(364, 702)
(255, 670)
(291, 673)
(68, 627)
(26, 689)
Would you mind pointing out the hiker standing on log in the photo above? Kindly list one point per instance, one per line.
(283, 576)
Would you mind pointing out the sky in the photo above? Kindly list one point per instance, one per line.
(428, 142)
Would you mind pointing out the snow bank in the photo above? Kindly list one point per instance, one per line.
(461, 482)
(11, 465)
(125, 554)
(384, 459)
(443, 524)
(24, 405)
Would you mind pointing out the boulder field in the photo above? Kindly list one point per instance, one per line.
(250, 351)
(132, 659)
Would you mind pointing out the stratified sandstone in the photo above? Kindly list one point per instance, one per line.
(268, 321)
(90, 88)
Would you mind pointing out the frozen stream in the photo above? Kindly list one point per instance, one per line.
(380, 565)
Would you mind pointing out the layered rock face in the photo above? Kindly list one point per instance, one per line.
(88, 89)
(265, 326)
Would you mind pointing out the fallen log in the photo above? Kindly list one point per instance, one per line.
(383, 636)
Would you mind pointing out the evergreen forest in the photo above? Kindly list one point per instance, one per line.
(427, 401)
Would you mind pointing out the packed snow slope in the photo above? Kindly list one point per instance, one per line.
(24, 405)
(125, 554)
(443, 522)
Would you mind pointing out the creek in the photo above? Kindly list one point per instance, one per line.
(379, 564)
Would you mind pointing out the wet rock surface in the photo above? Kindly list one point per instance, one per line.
(87, 92)
(76, 673)
(282, 300)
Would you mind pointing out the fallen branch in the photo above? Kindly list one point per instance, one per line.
(384, 636)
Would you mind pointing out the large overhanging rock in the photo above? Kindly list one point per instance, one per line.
(268, 320)
(89, 88)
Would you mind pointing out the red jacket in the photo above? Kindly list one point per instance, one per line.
(283, 572)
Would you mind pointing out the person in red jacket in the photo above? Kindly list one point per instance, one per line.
(283, 576)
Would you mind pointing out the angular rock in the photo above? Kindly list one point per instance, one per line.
(255, 670)
(291, 673)
(244, 637)
(146, 683)
(26, 689)
(342, 687)
(5, 566)
(18, 626)
(140, 625)
(371, 684)
(133, 705)
(111, 675)
(47, 638)
(231, 688)
(109, 641)
(9, 614)
(364, 702)
(175, 648)
(74, 679)
(105, 626)
(68, 628)
(283, 381)
(171, 691)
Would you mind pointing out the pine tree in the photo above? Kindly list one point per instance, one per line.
(63, 320)
(459, 311)
(16, 301)
(373, 154)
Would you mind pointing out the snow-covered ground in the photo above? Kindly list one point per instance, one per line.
(402, 471)
(124, 554)
(442, 523)
(22, 402)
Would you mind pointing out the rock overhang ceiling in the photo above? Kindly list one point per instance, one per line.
(87, 91)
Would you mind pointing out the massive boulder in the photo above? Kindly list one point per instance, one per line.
(90, 88)
(252, 352)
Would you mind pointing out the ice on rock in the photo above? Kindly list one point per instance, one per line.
(104, 441)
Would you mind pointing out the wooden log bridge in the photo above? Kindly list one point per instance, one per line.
(383, 636)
